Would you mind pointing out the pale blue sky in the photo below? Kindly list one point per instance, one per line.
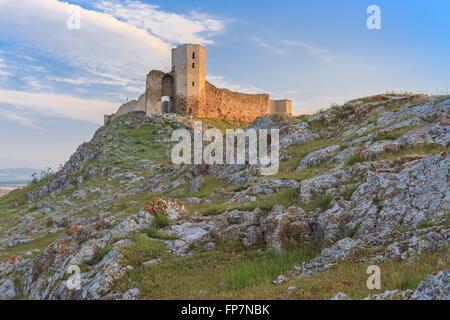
(56, 83)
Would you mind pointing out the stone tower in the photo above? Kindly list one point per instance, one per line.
(189, 71)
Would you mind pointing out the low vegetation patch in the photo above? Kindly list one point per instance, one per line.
(98, 256)
(264, 267)
(349, 277)
(394, 135)
(355, 158)
(348, 191)
(155, 233)
(287, 197)
(323, 202)
(161, 221)
(206, 274)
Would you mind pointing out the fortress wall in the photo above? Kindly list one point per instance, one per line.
(281, 106)
(131, 106)
(229, 105)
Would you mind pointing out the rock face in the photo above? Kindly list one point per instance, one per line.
(291, 227)
(434, 287)
(388, 201)
(373, 186)
(171, 208)
(316, 157)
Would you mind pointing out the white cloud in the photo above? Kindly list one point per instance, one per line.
(129, 85)
(170, 27)
(270, 47)
(103, 43)
(60, 105)
(12, 116)
(35, 84)
(311, 49)
(3, 66)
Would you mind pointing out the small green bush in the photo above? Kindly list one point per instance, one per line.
(425, 225)
(323, 202)
(355, 158)
(347, 193)
(98, 255)
(161, 221)
(155, 233)
(352, 231)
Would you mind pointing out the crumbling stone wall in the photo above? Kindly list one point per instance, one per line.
(229, 105)
(281, 106)
(131, 106)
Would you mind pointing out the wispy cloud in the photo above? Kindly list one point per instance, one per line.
(3, 72)
(12, 116)
(270, 47)
(35, 84)
(170, 27)
(320, 53)
(59, 105)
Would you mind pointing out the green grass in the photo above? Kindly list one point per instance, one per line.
(425, 150)
(350, 277)
(206, 273)
(298, 152)
(354, 158)
(39, 243)
(394, 135)
(155, 233)
(348, 191)
(323, 202)
(211, 184)
(136, 142)
(425, 225)
(230, 272)
(352, 231)
(161, 221)
(287, 197)
(210, 208)
(98, 256)
(264, 267)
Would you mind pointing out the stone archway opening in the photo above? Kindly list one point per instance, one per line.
(168, 92)
(166, 102)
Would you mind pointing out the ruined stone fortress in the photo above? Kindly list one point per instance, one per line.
(185, 91)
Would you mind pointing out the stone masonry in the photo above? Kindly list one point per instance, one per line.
(185, 91)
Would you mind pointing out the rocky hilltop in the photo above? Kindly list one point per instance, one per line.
(365, 183)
